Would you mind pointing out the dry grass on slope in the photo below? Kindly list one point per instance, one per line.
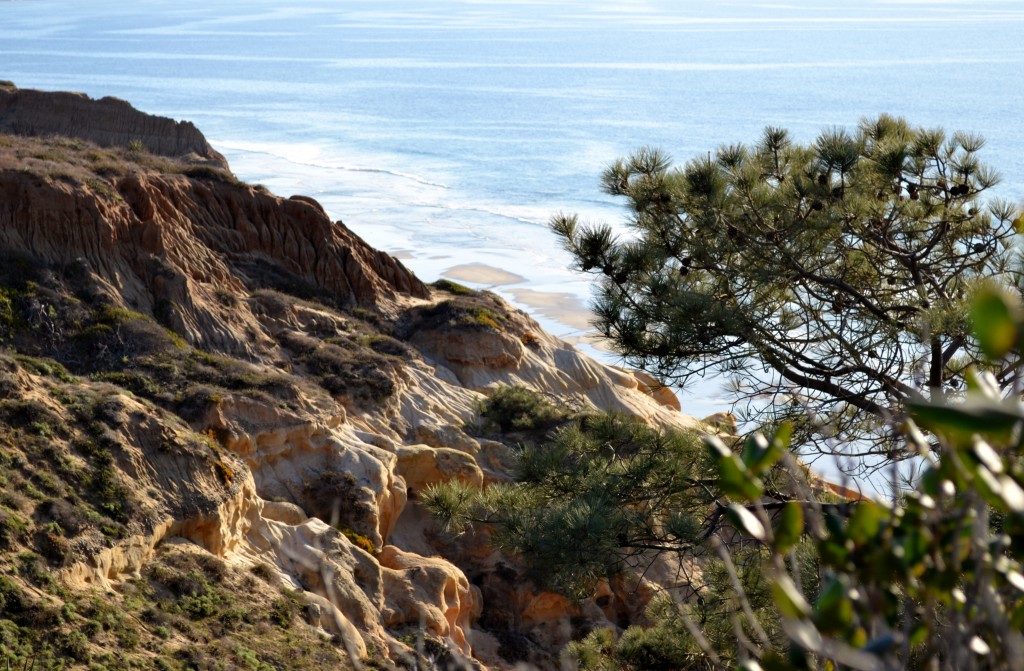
(83, 163)
(86, 467)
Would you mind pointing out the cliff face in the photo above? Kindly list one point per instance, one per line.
(179, 246)
(202, 383)
(108, 122)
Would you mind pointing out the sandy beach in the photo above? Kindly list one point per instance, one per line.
(565, 308)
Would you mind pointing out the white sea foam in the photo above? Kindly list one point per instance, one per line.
(313, 157)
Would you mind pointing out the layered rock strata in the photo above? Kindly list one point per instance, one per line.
(109, 122)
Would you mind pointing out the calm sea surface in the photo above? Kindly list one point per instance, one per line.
(448, 132)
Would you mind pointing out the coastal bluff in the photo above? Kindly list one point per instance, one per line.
(218, 408)
(108, 122)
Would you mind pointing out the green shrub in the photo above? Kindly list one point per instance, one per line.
(209, 174)
(361, 541)
(286, 608)
(333, 496)
(263, 571)
(513, 408)
(70, 518)
(8, 385)
(8, 314)
(195, 401)
(135, 381)
(454, 288)
(199, 606)
(13, 529)
(47, 367)
(12, 599)
(368, 316)
(363, 376)
(31, 566)
(102, 188)
(30, 413)
(76, 645)
(476, 312)
(107, 170)
(112, 497)
(383, 344)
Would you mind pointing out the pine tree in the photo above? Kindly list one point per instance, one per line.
(830, 280)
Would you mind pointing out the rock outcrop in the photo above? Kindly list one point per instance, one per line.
(108, 122)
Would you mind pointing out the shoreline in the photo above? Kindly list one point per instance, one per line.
(533, 277)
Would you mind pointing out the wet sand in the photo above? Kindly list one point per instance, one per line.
(481, 273)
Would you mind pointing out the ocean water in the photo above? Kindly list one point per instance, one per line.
(448, 132)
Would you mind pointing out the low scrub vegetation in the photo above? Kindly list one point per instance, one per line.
(473, 311)
(454, 288)
(64, 442)
(517, 410)
(779, 573)
(82, 163)
(188, 611)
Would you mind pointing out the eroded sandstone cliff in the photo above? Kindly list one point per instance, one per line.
(108, 122)
(233, 402)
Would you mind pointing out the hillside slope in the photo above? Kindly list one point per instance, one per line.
(216, 409)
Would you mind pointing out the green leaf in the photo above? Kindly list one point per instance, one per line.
(803, 634)
(984, 454)
(994, 419)
(1011, 494)
(788, 599)
(790, 527)
(717, 448)
(733, 477)
(834, 554)
(930, 482)
(833, 610)
(918, 635)
(983, 383)
(783, 435)
(736, 482)
(1017, 619)
(746, 521)
(753, 447)
(759, 455)
(865, 522)
(915, 547)
(990, 488)
(995, 316)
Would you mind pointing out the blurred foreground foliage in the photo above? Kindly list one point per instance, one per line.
(781, 573)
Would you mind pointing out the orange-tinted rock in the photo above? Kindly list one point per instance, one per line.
(722, 422)
(429, 592)
(422, 466)
(662, 394)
